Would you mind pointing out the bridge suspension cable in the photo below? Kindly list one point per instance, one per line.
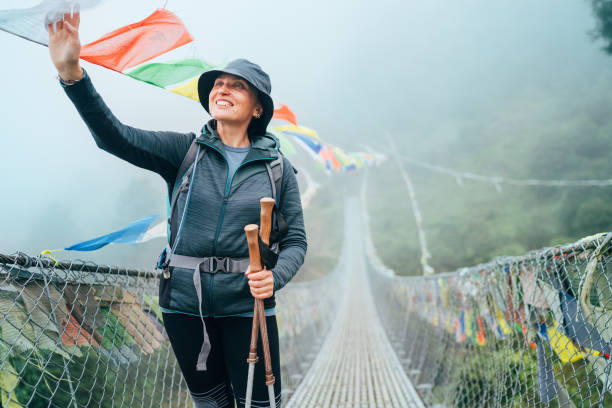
(425, 254)
(498, 181)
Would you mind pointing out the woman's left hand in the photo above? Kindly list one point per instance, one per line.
(261, 283)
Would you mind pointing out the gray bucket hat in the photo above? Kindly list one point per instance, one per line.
(256, 77)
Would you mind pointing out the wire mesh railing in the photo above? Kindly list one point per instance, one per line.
(529, 331)
(76, 334)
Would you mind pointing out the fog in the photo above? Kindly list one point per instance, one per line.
(354, 71)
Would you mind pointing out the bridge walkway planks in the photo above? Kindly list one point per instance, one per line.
(356, 366)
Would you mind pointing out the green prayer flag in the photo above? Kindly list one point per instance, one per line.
(285, 145)
(163, 74)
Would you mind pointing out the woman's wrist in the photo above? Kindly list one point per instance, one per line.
(71, 75)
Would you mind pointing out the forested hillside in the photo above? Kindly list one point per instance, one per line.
(554, 122)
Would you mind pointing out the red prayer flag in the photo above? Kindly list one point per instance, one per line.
(329, 156)
(136, 43)
(74, 334)
(480, 336)
(284, 113)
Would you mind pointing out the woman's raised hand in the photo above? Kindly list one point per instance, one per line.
(65, 47)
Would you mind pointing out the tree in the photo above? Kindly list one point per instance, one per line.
(603, 13)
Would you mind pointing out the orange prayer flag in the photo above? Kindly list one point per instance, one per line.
(284, 113)
(136, 43)
(480, 336)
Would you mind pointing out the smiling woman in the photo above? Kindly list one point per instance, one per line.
(243, 89)
(232, 100)
(215, 181)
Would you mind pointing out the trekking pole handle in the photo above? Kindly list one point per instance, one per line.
(251, 232)
(265, 219)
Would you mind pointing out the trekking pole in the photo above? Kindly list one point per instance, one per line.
(265, 222)
(255, 261)
(259, 315)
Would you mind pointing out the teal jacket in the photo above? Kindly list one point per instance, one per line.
(219, 208)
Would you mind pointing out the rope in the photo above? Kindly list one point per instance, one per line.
(497, 181)
(25, 261)
(425, 255)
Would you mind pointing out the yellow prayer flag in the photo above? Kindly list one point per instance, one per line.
(564, 348)
(503, 325)
(188, 89)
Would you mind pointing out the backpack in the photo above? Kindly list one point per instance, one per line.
(193, 156)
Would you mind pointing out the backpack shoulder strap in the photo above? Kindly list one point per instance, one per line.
(182, 181)
(275, 172)
(187, 162)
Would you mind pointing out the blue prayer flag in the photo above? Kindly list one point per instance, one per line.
(312, 144)
(128, 235)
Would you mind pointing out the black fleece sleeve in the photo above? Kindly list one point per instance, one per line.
(161, 152)
(293, 246)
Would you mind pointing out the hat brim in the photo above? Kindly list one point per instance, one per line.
(256, 126)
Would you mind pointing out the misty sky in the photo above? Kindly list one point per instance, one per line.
(351, 70)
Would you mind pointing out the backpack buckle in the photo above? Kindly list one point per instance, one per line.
(163, 263)
(218, 264)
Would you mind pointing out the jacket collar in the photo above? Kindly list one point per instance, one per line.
(261, 145)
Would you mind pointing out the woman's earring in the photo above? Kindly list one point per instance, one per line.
(257, 115)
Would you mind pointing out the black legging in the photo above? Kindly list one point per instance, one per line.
(225, 379)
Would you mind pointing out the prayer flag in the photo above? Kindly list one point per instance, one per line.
(165, 74)
(31, 23)
(330, 158)
(131, 234)
(577, 328)
(284, 113)
(299, 129)
(547, 383)
(139, 42)
(138, 50)
(563, 347)
(285, 145)
(157, 231)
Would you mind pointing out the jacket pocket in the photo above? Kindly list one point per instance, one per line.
(232, 294)
(183, 296)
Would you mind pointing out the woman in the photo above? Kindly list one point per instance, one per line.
(205, 280)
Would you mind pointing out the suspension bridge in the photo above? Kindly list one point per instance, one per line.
(529, 331)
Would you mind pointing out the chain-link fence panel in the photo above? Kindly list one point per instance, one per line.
(530, 331)
(76, 334)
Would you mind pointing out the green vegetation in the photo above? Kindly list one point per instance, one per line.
(93, 375)
(561, 134)
(603, 13)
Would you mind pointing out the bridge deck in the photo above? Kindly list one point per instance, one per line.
(356, 366)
